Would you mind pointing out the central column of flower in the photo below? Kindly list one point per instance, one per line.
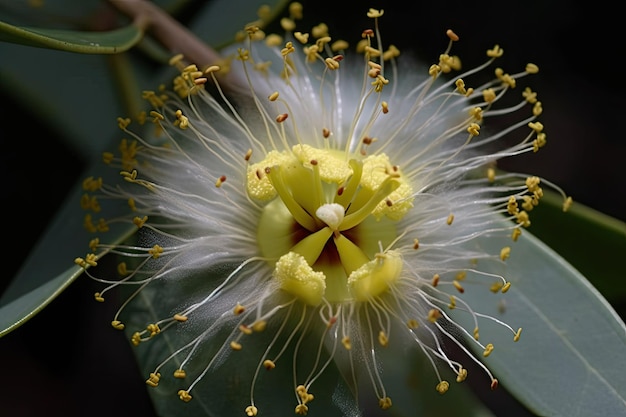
(326, 221)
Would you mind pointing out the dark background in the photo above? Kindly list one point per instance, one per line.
(68, 361)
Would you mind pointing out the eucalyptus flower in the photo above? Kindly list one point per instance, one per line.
(332, 205)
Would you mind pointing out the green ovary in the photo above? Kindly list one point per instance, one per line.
(327, 222)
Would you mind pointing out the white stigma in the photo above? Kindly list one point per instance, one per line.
(331, 214)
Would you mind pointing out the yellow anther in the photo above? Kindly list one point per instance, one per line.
(184, 395)
(462, 375)
(251, 411)
(180, 374)
(156, 116)
(536, 126)
(442, 387)
(221, 180)
(533, 183)
(384, 403)
(273, 40)
(537, 109)
(461, 275)
(539, 142)
(245, 329)
(295, 10)
(153, 329)
(453, 36)
(489, 95)
(529, 95)
(180, 318)
(383, 339)
(140, 221)
(491, 174)
(495, 52)
(118, 325)
(320, 31)
(460, 86)
(303, 38)
(287, 24)
(93, 244)
(268, 364)
(259, 326)
(347, 344)
(412, 324)
(496, 286)
(511, 206)
(379, 83)
(505, 252)
(391, 52)
(176, 59)
(129, 176)
(452, 304)
(235, 345)
(272, 97)
(473, 129)
(91, 184)
(385, 107)
(506, 287)
(302, 409)
(374, 13)
(434, 315)
(458, 286)
(517, 335)
(450, 219)
(434, 70)
(153, 380)
(339, 45)
(238, 309)
(155, 251)
(476, 333)
(123, 122)
(532, 68)
(98, 297)
(91, 259)
(435, 280)
(331, 63)
(122, 269)
(567, 204)
(516, 234)
(135, 339)
(488, 350)
(523, 218)
(181, 120)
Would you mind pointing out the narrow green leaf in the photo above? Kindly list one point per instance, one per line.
(21, 309)
(85, 42)
(571, 358)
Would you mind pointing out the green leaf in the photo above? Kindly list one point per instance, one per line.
(50, 267)
(110, 42)
(591, 241)
(571, 358)
(23, 308)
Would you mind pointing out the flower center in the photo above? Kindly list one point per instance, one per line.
(328, 220)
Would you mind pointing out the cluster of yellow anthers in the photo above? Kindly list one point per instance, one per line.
(346, 203)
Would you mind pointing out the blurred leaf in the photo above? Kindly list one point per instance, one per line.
(571, 358)
(591, 241)
(220, 20)
(110, 42)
